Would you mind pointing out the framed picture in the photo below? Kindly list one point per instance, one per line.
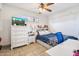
(37, 20)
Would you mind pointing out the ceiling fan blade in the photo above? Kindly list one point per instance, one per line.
(48, 4)
(48, 10)
(41, 5)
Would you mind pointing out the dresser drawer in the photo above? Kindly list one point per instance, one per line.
(17, 44)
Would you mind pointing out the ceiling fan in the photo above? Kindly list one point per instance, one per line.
(44, 6)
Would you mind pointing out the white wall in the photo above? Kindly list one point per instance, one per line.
(0, 6)
(6, 13)
(66, 21)
(0, 21)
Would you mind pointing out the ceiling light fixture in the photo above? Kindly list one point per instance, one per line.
(41, 10)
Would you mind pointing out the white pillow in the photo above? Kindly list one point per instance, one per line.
(43, 32)
(47, 32)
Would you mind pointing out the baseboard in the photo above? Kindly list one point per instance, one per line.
(6, 46)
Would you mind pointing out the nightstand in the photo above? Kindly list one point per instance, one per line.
(31, 38)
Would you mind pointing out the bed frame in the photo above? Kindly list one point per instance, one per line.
(44, 44)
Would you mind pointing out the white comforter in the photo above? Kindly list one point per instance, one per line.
(64, 49)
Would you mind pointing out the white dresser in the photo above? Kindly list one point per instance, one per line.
(19, 36)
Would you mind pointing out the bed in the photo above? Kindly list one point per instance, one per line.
(45, 38)
(49, 39)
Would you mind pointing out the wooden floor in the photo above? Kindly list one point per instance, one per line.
(34, 49)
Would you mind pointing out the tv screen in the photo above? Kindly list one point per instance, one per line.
(18, 21)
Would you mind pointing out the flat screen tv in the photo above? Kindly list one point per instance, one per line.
(18, 21)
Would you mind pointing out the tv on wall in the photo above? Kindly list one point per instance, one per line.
(18, 21)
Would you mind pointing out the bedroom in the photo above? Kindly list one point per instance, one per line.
(63, 20)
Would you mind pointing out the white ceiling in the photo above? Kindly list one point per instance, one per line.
(33, 7)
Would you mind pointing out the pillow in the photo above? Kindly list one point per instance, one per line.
(44, 32)
(47, 32)
(59, 37)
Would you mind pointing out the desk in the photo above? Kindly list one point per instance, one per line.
(64, 49)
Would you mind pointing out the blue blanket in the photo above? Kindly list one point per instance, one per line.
(45, 38)
(52, 36)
